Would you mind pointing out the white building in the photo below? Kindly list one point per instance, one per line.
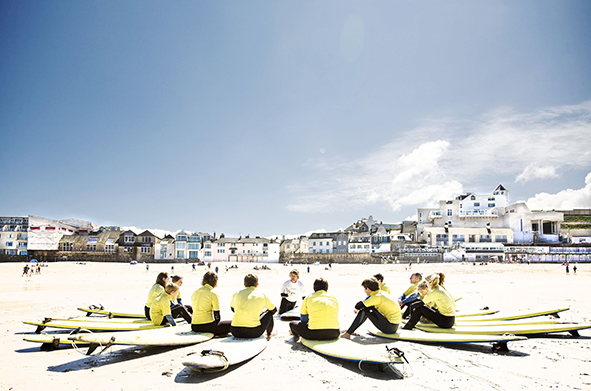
(486, 218)
(13, 235)
(45, 234)
(321, 243)
(245, 249)
(165, 248)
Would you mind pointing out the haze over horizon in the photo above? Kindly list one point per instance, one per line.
(284, 118)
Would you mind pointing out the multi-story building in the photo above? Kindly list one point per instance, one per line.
(485, 218)
(321, 243)
(241, 249)
(14, 235)
(165, 248)
(45, 234)
(103, 240)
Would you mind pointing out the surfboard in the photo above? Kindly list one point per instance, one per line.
(50, 342)
(532, 329)
(514, 315)
(224, 353)
(422, 336)
(115, 314)
(102, 319)
(293, 314)
(349, 350)
(164, 336)
(91, 325)
(475, 313)
(492, 323)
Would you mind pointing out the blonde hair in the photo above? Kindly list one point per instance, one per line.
(171, 288)
(423, 285)
(433, 281)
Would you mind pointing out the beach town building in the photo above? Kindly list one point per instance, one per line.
(165, 248)
(45, 234)
(14, 235)
(486, 218)
(241, 249)
(321, 243)
(102, 240)
(297, 245)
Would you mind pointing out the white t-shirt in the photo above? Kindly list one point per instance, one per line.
(294, 290)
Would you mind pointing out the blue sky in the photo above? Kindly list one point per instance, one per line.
(268, 118)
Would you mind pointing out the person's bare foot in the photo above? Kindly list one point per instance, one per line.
(346, 335)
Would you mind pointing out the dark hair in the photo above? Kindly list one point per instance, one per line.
(379, 277)
(176, 278)
(250, 280)
(320, 284)
(161, 277)
(419, 275)
(210, 278)
(371, 283)
(441, 278)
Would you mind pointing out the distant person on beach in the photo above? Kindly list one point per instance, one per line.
(381, 309)
(161, 281)
(383, 285)
(179, 281)
(25, 271)
(438, 306)
(291, 290)
(567, 269)
(250, 321)
(410, 294)
(206, 308)
(319, 315)
(575, 268)
(162, 313)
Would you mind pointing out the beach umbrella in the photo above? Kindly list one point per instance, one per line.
(33, 260)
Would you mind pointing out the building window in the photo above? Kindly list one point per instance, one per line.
(109, 248)
(180, 245)
(145, 250)
(501, 238)
(449, 212)
(193, 254)
(129, 239)
(476, 204)
(9, 244)
(491, 205)
(91, 247)
(67, 246)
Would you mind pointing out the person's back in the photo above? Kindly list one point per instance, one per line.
(248, 305)
(441, 300)
(385, 304)
(322, 310)
(204, 303)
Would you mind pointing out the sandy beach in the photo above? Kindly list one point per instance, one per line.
(556, 361)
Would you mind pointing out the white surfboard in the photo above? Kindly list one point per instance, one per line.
(92, 325)
(167, 336)
(513, 315)
(100, 310)
(228, 351)
(293, 314)
(422, 336)
(349, 350)
(533, 329)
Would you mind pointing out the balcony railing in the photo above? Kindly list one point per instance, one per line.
(479, 213)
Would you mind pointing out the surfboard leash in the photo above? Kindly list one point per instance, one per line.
(220, 355)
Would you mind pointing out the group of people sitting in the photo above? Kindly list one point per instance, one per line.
(425, 300)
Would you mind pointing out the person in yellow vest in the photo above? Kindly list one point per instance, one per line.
(383, 285)
(249, 320)
(206, 308)
(179, 281)
(319, 315)
(161, 281)
(438, 306)
(410, 294)
(162, 313)
(379, 307)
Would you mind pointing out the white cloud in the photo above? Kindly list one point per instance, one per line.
(439, 159)
(564, 200)
(533, 171)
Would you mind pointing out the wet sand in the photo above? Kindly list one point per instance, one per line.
(556, 361)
